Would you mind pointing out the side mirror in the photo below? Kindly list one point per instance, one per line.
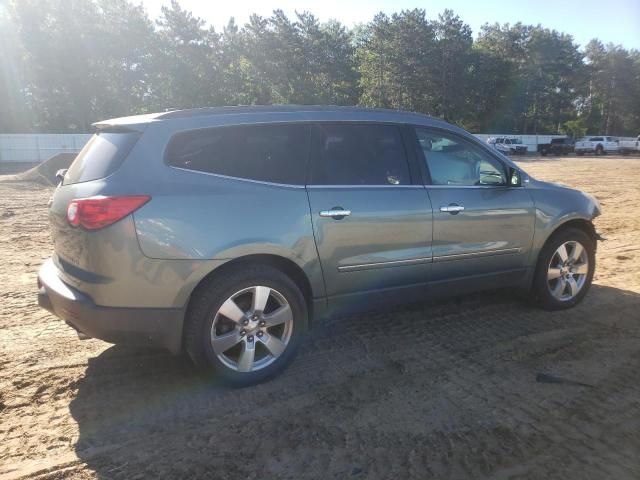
(491, 178)
(60, 174)
(514, 177)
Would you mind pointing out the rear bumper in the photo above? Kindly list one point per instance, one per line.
(139, 326)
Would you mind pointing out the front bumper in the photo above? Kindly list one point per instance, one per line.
(139, 326)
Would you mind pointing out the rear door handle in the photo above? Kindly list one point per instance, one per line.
(336, 213)
(452, 208)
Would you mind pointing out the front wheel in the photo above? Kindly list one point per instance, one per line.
(246, 326)
(565, 270)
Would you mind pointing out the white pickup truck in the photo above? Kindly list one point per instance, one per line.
(629, 146)
(597, 144)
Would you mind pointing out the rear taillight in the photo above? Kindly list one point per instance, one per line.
(93, 213)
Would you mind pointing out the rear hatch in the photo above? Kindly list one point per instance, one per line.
(103, 154)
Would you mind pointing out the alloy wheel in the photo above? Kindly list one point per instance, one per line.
(252, 328)
(568, 270)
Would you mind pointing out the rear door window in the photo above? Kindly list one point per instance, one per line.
(274, 153)
(101, 156)
(359, 154)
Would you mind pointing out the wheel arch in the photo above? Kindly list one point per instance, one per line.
(579, 224)
(285, 265)
(582, 224)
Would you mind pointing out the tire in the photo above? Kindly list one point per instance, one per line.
(542, 287)
(240, 286)
(579, 153)
(599, 150)
(543, 152)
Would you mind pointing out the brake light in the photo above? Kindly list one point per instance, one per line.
(98, 212)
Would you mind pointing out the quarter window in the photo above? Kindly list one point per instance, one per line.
(451, 160)
(350, 154)
(269, 153)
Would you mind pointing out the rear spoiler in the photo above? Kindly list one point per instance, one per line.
(136, 123)
(102, 127)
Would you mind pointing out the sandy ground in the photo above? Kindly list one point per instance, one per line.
(444, 390)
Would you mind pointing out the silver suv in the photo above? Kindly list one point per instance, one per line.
(226, 232)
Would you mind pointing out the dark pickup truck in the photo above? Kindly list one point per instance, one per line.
(558, 146)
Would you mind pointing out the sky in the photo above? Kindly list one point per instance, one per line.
(616, 21)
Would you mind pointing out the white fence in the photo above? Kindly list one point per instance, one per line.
(531, 141)
(39, 147)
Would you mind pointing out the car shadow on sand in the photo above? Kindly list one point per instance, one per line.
(144, 413)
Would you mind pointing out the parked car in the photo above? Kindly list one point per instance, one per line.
(508, 145)
(599, 145)
(629, 146)
(228, 232)
(557, 146)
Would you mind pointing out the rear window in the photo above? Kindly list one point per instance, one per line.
(101, 156)
(270, 153)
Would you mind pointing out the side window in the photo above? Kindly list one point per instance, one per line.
(367, 154)
(269, 153)
(451, 160)
(596, 139)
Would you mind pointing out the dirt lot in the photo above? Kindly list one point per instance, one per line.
(445, 390)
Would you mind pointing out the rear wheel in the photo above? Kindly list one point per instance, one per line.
(565, 270)
(246, 326)
(599, 150)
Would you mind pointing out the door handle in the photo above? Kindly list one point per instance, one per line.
(452, 208)
(336, 213)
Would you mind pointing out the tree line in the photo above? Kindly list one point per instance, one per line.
(66, 64)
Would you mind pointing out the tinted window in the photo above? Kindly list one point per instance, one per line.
(451, 160)
(596, 139)
(100, 157)
(360, 155)
(269, 153)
